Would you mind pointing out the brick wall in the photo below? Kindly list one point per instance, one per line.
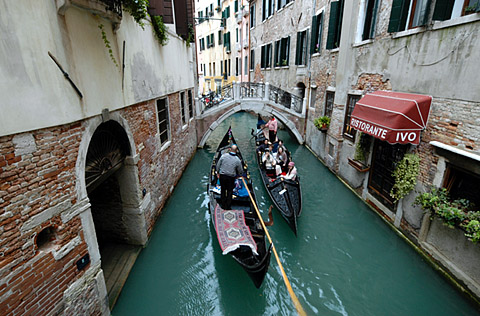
(160, 169)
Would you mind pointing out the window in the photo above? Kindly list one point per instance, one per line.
(282, 3)
(226, 41)
(301, 54)
(236, 66)
(462, 184)
(348, 131)
(245, 65)
(370, 8)
(190, 104)
(384, 160)
(335, 24)
(210, 40)
(219, 37)
(211, 9)
(202, 44)
(229, 66)
(266, 56)
(236, 35)
(236, 6)
(221, 68)
(408, 14)
(329, 98)
(282, 52)
(240, 66)
(317, 28)
(182, 107)
(252, 59)
(252, 16)
(214, 68)
(268, 8)
(448, 9)
(163, 120)
(226, 71)
(200, 17)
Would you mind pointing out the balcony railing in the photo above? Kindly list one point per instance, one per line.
(286, 99)
(252, 90)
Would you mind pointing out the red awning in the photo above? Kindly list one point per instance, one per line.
(392, 116)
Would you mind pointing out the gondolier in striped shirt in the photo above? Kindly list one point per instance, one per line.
(229, 167)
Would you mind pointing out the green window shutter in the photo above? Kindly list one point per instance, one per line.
(374, 19)
(426, 14)
(398, 16)
(298, 50)
(332, 24)
(313, 40)
(236, 6)
(262, 57)
(443, 10)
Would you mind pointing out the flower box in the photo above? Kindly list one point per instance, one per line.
(358, 165)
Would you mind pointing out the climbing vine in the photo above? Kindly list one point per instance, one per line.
(159, 29)
(107, 44)
(405, 175)
(137, 9)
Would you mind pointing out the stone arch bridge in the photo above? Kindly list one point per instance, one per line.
(264, 99)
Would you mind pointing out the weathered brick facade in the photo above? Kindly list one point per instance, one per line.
(39, 189)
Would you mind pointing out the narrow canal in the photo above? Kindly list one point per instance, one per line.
(345, 260)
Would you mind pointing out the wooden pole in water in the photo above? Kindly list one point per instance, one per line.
(294, 298)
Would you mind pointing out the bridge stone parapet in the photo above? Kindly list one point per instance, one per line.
(248, 97)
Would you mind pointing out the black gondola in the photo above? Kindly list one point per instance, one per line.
(286, 194)
(241, 223)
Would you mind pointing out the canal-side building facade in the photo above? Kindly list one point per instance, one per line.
(340, 51)
(97, 126)
(222, 43)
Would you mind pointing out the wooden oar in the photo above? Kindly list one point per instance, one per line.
(294, 298)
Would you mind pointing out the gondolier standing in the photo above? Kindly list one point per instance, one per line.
(228, 167)
(272, 129)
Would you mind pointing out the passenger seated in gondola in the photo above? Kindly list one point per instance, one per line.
(291, 172)
(281, 158)
(269, 163)
(262, 147)
(279, 144)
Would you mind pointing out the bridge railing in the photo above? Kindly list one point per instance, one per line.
(252, 90)
(247, 90)
(288, 100)
(215, 98)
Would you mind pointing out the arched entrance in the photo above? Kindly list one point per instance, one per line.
(111, 188)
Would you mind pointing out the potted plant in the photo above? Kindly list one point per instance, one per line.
(322, 123)
(359, 161)
(471, 9)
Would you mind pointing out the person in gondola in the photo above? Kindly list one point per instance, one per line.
(261, 148)
(292, 172)
(281, 158)
(229, 167)
(272, 129)
(269, 163)
(278, 145)
(260, 122)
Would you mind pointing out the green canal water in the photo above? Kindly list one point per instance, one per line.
(345, 260)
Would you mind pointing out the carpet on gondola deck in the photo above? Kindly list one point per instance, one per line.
(232, 232)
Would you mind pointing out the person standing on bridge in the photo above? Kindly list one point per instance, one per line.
(272, 129)
(229, 167)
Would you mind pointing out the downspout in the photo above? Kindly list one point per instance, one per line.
(309, 94)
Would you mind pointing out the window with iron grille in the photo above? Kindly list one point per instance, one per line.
(182, 107)
(348, 131)
(163, 120)
(190, 104)
(329, 98)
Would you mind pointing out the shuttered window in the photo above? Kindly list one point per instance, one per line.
(335, 24)
(316, 38)
(190, 104)
(162, 8)
(252, 15)
(252, 59)
(301, 50)
(182, 107)
(443, 10)
(417, 11)
(370, 19)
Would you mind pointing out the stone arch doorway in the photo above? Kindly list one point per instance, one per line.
(111, 182)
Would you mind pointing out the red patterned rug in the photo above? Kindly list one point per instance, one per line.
(232, 231)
